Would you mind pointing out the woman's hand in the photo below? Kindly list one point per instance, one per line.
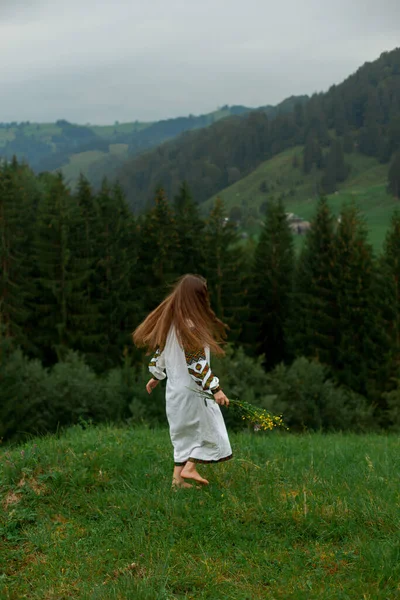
(153, 383)
(221, 399)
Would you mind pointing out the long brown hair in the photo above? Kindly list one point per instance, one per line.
(188, 308)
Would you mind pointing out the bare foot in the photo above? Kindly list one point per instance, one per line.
(189, 471)
(180, 483)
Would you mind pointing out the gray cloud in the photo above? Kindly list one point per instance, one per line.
(98, 61)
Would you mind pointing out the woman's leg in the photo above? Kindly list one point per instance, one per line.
(189, 471)
(177, 479)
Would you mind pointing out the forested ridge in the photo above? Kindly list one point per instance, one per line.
(51, 146)
(162, 131)
(47, 147)
(362, 114)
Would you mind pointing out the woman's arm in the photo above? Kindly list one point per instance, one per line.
(157, 365)
(200, 371)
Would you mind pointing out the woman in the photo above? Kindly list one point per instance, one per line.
(182, 332)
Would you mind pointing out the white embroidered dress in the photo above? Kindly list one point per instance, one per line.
(197, 427)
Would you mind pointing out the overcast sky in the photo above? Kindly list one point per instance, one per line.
(100, 61)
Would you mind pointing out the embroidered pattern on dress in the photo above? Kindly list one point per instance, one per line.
(199, 369)
(195, 356)
(153, 362)
(203, 462)
(155, 365)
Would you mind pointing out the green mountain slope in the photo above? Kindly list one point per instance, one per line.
(278, 178)
(363, 112)
(74, 148)
(164, 131)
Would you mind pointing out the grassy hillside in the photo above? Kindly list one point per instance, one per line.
(108, 131)
(84, 162)
(366, 186)
(38, 131)
(91, 514)
(80, 163)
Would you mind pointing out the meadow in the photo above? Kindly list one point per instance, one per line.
(82, 162)
(89, 513)
(365, 187)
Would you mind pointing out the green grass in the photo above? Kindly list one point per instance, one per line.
(83, 161)
(376, 208)
(366, 187)
(44, 131)
(6, 136)
(80, 163)
(90, 514)
(121, 149)
(107, 131)
(40, 131)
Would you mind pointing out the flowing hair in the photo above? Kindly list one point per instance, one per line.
(188, 308)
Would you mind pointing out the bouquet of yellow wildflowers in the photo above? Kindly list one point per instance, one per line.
(258, 418)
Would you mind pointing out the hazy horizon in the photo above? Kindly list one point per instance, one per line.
(99, 62)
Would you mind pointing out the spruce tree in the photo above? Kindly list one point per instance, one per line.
(394, 176)
(114, 273)
(189, 229)
(358, 351)
(87, 227)
(348, 143)
(62, 276)
(388, 296)
(298, 113)
(312, 154)
(336, 170)
(225, 269)
(271, 286)
(313, 317)
(316, 119)
(85, 250)
(339, 117)
(390, 261)
(18, 195)
(295, 162)
(370, 137)
(393, 130)
(157, 252)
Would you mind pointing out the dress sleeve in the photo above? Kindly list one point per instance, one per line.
(200, 371)
(157, 365)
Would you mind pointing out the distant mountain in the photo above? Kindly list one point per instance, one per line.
(153, 136)
(161, 131)
(169, 128)
(149, 137)
(100, 151)
(50, 146)
(46, 146)
(362, 114)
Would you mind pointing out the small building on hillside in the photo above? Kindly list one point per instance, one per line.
(297, 224)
